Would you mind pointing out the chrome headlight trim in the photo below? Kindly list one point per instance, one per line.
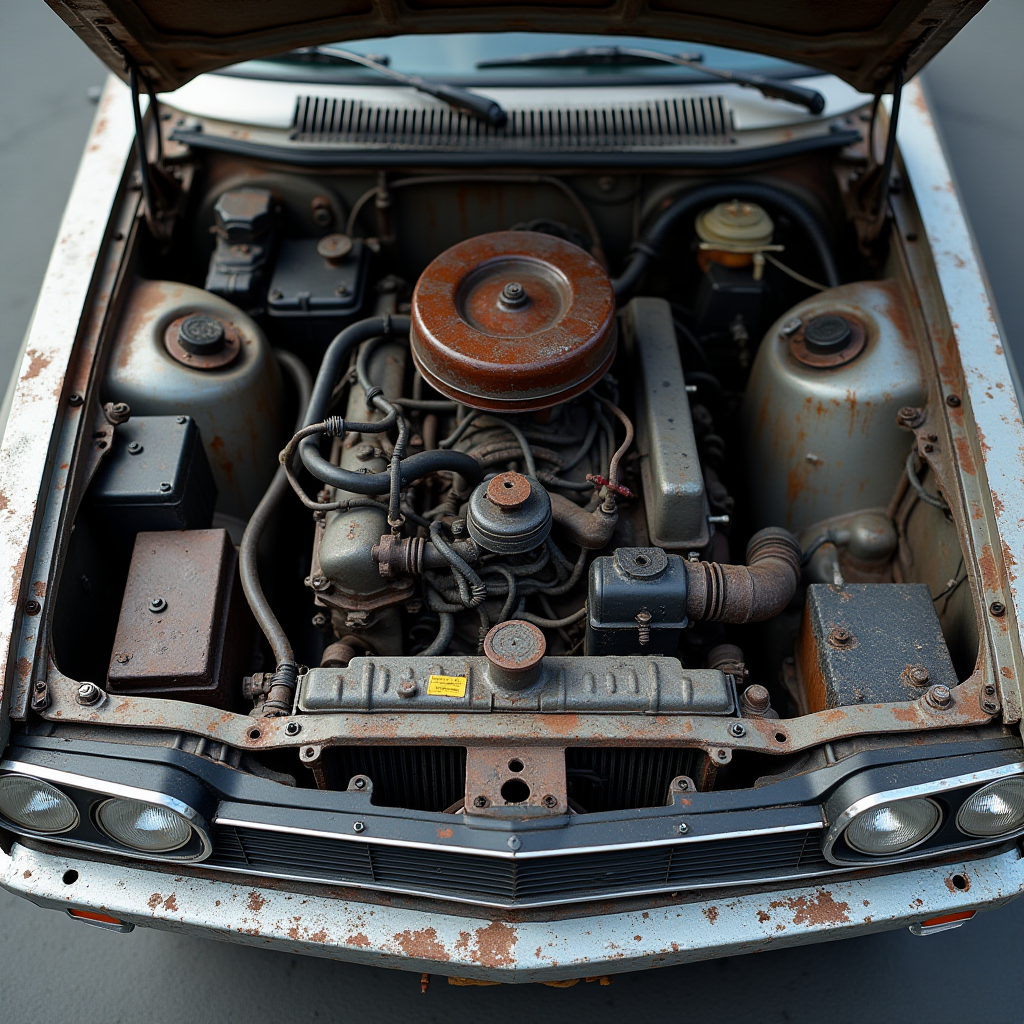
(927, 790)
(103, 788)
(939, 820)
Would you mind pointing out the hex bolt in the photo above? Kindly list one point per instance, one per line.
(919, 675)
(756, 699)
(909, 416)
(480, 801)
(89, 693)
(121, 658)
(513, 843)
(319, 620)
(358, 826)
(643, 627)
(134, 448)
(989, 690)
(157, 605)
(722, 755)
(840, 637)
(939, 696)
(319, 583)
(40, 687)
(548, 800)
(997, 608)
(407, 688)
(458, 527)
(293, 728)
(683, 828)
(738, 729)
(165, 487)
(359, 782)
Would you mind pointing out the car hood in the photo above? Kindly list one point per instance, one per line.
(861, 41)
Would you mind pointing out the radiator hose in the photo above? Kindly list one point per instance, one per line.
(753, 592)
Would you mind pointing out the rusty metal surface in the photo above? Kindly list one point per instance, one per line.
(180, 634)
(442, 941)
(512, 782)
(513, 320)
(212, 361)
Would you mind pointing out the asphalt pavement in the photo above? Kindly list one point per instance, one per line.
(52, 969)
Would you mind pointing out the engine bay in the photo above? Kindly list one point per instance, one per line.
(642, 448)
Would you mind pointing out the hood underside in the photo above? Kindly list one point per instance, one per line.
(861, 41)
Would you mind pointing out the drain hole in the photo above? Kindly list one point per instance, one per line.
(959, 881)
(70, 877)
(515, 765)
(515, 791)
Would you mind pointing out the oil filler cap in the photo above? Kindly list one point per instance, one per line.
(825, 335)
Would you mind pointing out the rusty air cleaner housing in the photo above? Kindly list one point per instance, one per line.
(513, 321)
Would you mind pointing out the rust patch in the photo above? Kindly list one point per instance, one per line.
(37, 363)
(26, 874)
(963, 451)
(987, 564)
(422, 944)
(171, 903)
(358, 939)
(711, 913)
(495, 944)
(155, 900)
(821, 910)
(952, 888)
(908, 715)
(763, 916)
(256, 902)
(444, 833)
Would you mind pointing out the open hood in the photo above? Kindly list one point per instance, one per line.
(861, 41)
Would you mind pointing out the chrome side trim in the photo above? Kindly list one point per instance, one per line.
(925, 789)
(814, 823)
(112, 789)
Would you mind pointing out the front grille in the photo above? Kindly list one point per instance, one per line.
(537, 880)
(416, 778)
(622, 778)
(663, 122)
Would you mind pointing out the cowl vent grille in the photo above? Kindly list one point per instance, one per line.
(656, 123)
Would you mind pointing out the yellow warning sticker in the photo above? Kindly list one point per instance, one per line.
(446, 686)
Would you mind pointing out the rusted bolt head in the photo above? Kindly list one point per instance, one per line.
(939, 696)
(738, 729)
(334, 248)
(909, 416)
(509, 491)
(121, 658)
(953, 401)
(40, 687)
(407, 688)
(990, 707)
(513, 296)
(293, 728)
(309, 752)
(929, 448)
(32, 607)
(919, 675)
(319, 583)
(989, 689)
(157, 605)
(757, 698)
(838, 636)
(997, 608)
(549, 800)
(88, 693)
(480, 801)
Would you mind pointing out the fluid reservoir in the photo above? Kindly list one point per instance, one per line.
(819, 412)
(182, 350)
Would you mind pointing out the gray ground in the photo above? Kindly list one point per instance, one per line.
(53, 969)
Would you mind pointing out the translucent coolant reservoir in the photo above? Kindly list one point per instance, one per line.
(180, 350)
(819, 412)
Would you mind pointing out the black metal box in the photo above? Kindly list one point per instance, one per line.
(636, 602)
(156, 477)
(870, 643)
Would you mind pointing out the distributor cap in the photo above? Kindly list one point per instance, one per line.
(513, 320)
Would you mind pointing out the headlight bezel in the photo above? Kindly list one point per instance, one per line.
(867, 790)
(985, 836)
(49, 785)
(97, 814)
(88, 793)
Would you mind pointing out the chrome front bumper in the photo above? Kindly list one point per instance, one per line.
(486, 948)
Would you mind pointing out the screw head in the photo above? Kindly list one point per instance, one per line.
(549, 800)
(157, 605)
(722, 755)
(75, 399)
(989, 706)
(480, 801)
(293, 728)
(738, 729)
(89, 693)
(121, 658)
(358, 826)
(939, 696)
(407, 688)
(683, 828)
(514, 842)
(181, 420)
(997, 608)
(838, 636)
(40, 687)
(134, 448)
(953, 401)
(359, 782)
(32, 607)
(319, 583)
(165, 487)
(919, 675)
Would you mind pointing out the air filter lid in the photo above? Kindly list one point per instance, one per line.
(514, 321)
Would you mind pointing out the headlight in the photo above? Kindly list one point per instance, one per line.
(893, 827)
(996, 809)
(36, 805)
(148, 828)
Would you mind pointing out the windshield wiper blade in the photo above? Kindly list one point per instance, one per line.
(594, 56)
(471, 103)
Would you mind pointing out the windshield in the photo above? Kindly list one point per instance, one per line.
(454, 58)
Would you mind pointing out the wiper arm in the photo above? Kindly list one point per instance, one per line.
(480, 107)
(624, 56)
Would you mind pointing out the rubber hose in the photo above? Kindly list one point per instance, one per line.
(413, 467)
(753, 592)
(690, 202)
(284, 656)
